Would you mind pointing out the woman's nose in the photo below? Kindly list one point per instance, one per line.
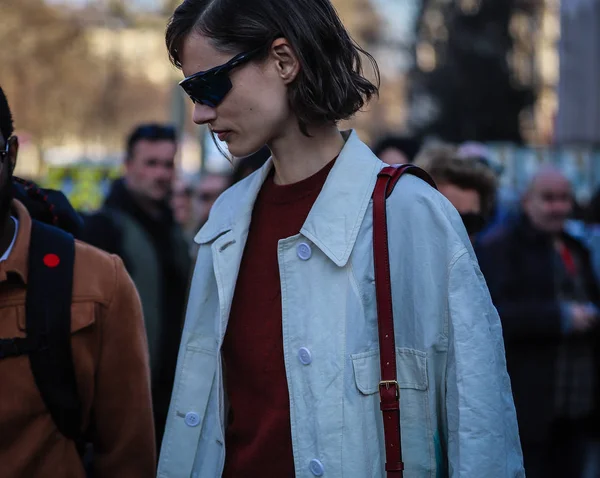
(203, 114)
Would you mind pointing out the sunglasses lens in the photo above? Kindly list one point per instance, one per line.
(211, 100)
(207, 91)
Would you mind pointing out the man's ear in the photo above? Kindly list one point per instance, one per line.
(13, 152)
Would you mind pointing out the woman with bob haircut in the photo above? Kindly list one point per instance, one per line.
(278, 372)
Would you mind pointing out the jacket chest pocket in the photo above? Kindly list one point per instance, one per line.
(415, 417)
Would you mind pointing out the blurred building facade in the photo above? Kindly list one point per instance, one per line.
(516, 38)
(132, 80)
(367, 22)
(579, 93)
(535, 27)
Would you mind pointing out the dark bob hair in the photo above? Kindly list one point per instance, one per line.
(330, 86)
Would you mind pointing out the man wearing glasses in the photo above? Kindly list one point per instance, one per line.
(136, 223)
(105, 341)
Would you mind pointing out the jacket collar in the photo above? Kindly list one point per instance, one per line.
(334, 221)
(17, 261)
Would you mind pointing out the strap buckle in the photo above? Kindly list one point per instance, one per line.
(387, 384)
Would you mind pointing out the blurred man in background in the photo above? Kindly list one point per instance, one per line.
(542, 283)
(182, 204)
(207, 191)
(136, 222)
(467, 183)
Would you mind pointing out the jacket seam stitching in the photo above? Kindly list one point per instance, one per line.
(455, 258)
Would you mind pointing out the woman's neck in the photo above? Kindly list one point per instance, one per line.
(297, 156)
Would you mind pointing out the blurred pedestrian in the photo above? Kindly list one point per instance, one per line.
(467, 183)
(282, 316)
(592, 214)
(207, 191)
(542, 283)
(396, 149)
(590, 230)
(136, 223)
(73, 354)
(506, 203)
(182, 204)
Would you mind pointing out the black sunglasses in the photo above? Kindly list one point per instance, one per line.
(474, 223)
(211, 86)
(4, 153)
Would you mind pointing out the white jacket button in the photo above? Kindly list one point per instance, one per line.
(316, 467)
(192, 419)
(304, 251)
(305, 356)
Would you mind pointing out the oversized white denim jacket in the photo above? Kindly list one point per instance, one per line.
(457, 412)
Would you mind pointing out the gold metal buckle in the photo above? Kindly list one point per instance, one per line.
(387, 384)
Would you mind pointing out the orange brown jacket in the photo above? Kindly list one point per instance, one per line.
(110, 355)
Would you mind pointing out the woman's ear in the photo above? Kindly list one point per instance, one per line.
(286, 60)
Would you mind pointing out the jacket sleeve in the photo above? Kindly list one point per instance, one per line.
(522, 317)
(482, 432)
(123, 428)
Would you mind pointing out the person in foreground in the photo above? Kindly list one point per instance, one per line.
(278, 372)
(105, 349)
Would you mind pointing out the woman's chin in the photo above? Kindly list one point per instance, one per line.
(240, 150)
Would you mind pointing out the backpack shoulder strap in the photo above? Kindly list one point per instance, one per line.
(389, 390)
(48, 322)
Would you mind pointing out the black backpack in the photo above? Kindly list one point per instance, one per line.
(48, 306)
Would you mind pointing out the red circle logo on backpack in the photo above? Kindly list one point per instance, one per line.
(51, 260)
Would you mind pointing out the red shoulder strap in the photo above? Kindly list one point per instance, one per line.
(389, 391)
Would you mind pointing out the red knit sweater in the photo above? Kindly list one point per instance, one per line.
(258, 437)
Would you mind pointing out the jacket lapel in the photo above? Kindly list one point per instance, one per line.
(227, 252)
(228, 233)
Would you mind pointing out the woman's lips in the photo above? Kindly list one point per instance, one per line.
(222, 135)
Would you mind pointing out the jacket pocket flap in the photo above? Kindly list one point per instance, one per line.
(411, 365)
(83, 314)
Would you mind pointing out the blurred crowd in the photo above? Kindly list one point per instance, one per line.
(538, 251)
